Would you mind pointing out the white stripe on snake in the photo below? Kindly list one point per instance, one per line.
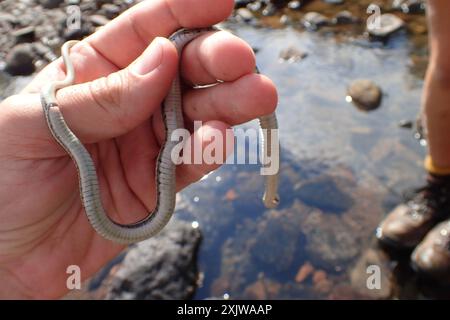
(165, 168)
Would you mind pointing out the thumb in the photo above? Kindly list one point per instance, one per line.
(114, 105)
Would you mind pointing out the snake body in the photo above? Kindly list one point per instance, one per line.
(165, 168)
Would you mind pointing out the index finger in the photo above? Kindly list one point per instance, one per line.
(122, 40)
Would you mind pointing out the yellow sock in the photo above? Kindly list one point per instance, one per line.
(433, 169)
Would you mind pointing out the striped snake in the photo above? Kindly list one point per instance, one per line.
(165, 168)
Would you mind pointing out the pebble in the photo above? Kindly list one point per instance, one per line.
(292, 54)
(365, 94)
(344, 17)
(304, 272)
(294, 5)
(98, 20)
(244, 14)
(111, 10)
(22, 35)
(409, 6)
(314, 20)
(50, 4)
(334, 1)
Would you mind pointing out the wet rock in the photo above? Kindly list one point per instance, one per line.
(304, 272)
(314, 20)
(292, 54)
(244, 14)
(50, 4)
(344, 17)
(312, 194)
(254, 6)
(269, 10)
(270, 252)
(409, 6)
(406, 124)
(388, 24)
(294, 5)
(286, 20)
(334, 1)
(321, 282)
(19, 60)
(365, 94)
(22, 35)
(242, 3)
(330, 241)
(110, 10)
(262, 289)
(163, 267)
(98, 20)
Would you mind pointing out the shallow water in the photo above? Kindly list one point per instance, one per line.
(342, 170)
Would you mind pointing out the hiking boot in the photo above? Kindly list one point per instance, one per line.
(432, 255)
(407, 224)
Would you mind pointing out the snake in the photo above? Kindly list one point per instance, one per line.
(165, 176)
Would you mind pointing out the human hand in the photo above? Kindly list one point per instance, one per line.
(113, 108)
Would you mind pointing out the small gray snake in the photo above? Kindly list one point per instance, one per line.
(165, 168)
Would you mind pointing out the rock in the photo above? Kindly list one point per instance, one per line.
(242, 3)
(98, 20)
(22, 35)
(312, 194)
(19, 60)
(77, 34)
(409, 6)
(163, 267)
(50, 4)
(334, 1)
(365, 94)
(292, 54)
(44, 51)
(7, 18)
(269, 10)
(314, 20)
(294, 5)
(244, 14)
(110, 10)
(254, 6)
(406, 124)
(344, 17)
(304, 272)
(388, 24)
(262, 289)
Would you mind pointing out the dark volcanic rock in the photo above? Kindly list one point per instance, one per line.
(19, 60)
(51, 4)
(163, 267)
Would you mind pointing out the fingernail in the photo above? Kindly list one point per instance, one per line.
(150, 59)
